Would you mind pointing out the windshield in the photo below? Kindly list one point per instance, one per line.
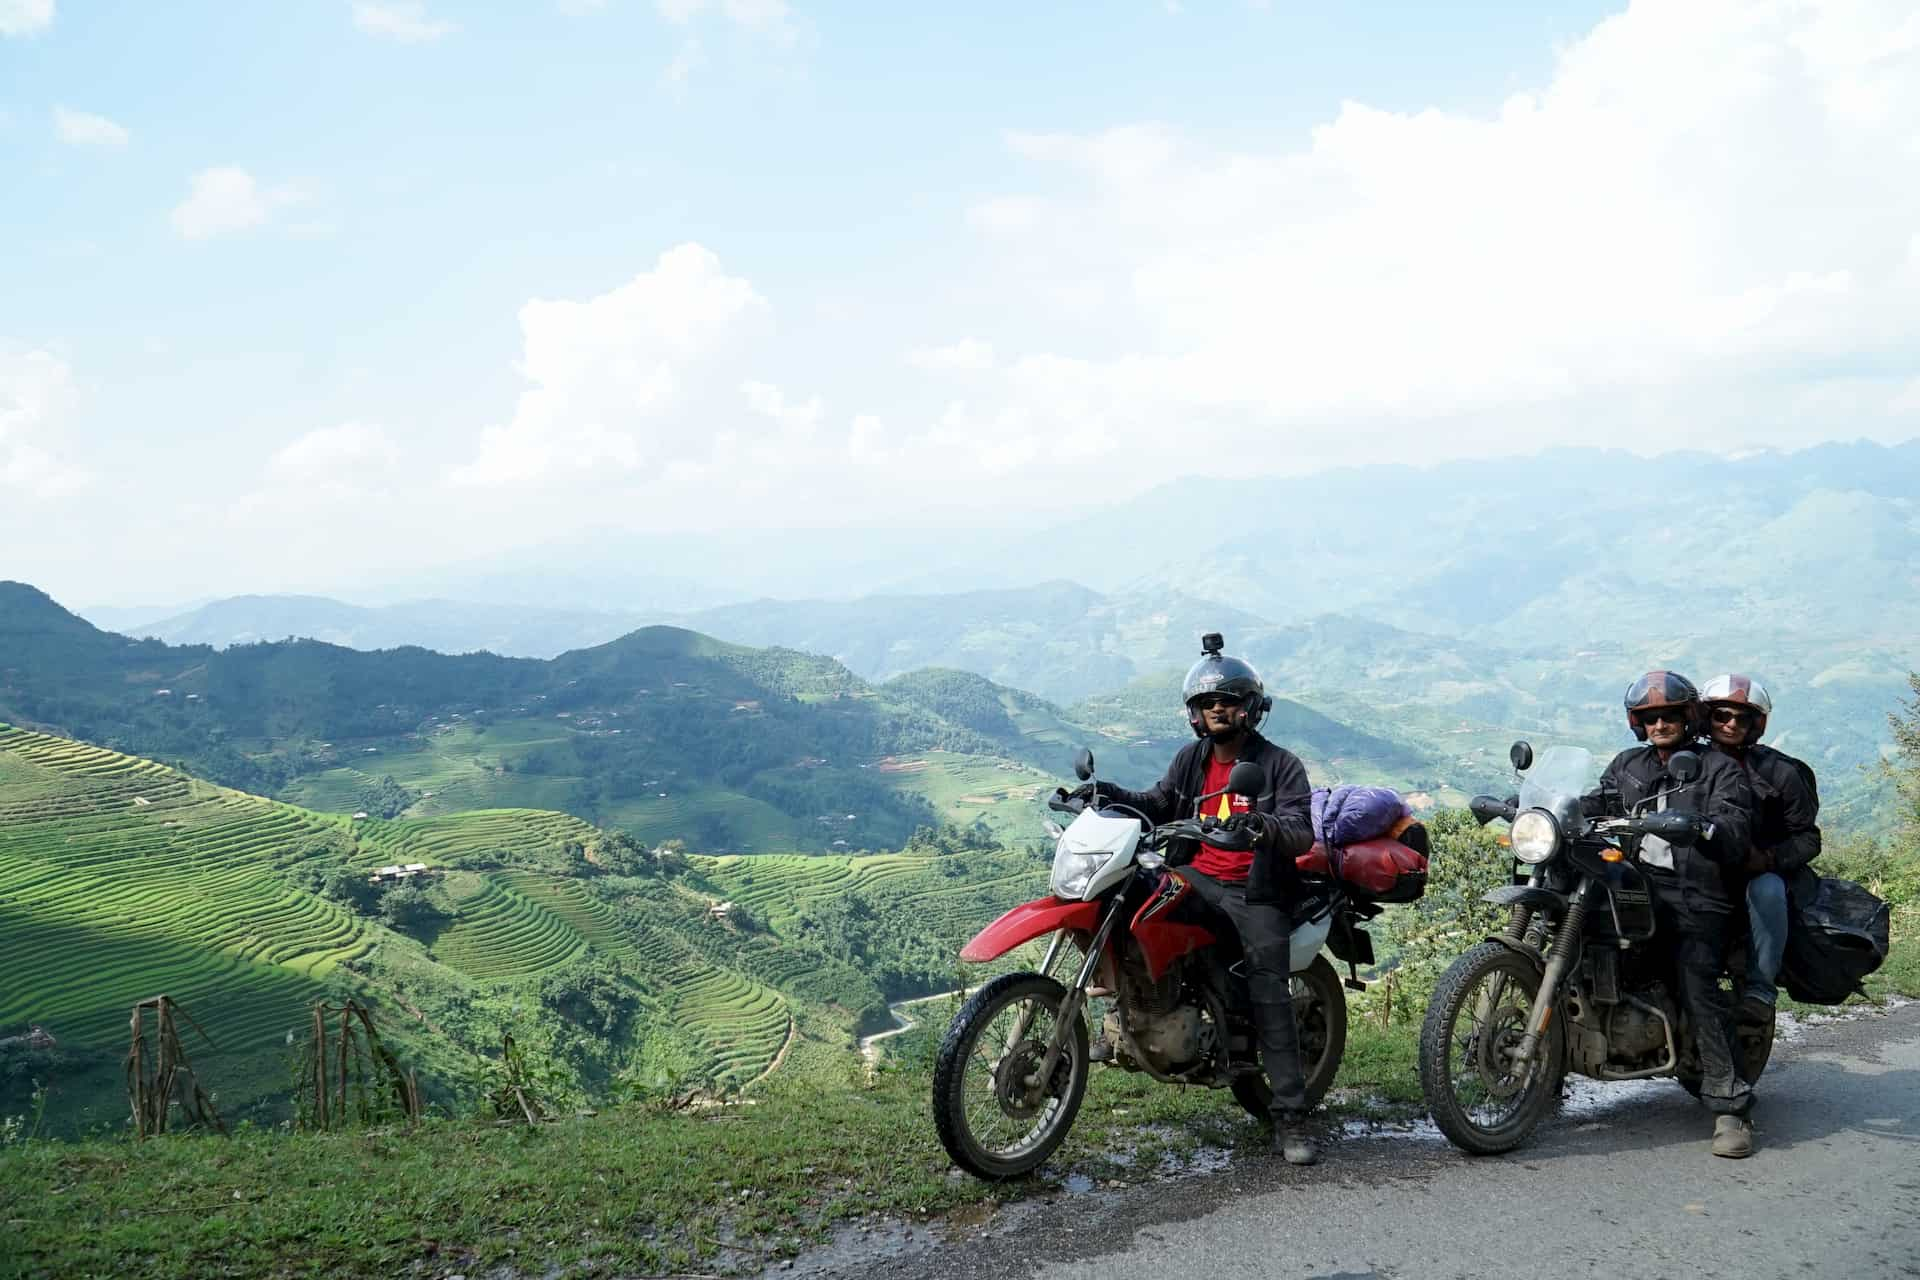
(1559, 775)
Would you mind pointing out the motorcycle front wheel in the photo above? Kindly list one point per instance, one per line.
(995, 1116)
(1320, 1011)
(1481, 1100)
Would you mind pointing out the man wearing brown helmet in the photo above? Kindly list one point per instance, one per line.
(1691, 887)
(1786, 829)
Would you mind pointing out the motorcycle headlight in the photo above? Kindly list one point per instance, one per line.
(1072, 872)
(1534, 836)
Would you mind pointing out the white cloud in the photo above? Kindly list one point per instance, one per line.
(771, 402)
(402, 20)
(770, 18)
(36, 392)
(227, 198)
(687, 59)
(84, 129)
(966, 354)
(24, 17)
(606, 370)
(350, 448)
(1708, 199)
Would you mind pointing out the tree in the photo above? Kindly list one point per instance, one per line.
(1903, 770)
(408, 908)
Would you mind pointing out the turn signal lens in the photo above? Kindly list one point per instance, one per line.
(1612, 855)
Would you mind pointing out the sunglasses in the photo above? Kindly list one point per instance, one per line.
(1731, 715)
(1672, 715)
(1215, 701)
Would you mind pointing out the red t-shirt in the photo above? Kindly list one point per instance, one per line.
(1222, 864)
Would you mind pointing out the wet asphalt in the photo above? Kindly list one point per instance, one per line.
(1619, 1184)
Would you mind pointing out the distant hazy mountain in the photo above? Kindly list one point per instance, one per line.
(446, 626)
(1058, 639)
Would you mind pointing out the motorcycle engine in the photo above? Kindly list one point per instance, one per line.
(1171, 1039)
(1636, 1033)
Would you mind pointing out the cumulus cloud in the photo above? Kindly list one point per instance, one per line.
(226, 199)
(402, 20)
(85, 129)
(346, 449)
(36, 392)
(1707, 200)
(609, 373)
(24, 17)
(966, 354)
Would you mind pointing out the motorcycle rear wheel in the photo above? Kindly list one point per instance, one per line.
(1320, 1011)
(993, 1118)
(1475, 1019)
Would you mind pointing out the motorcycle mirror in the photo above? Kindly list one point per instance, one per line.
(1521, 753)
(1684, 766)
(1083, 764)
(1246, 779)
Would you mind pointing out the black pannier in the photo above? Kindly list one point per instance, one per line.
(1836, 936)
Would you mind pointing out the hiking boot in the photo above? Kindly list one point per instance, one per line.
(1733, 1137)
(1755, 1012)
(1295, 1144)
(1101, 1050)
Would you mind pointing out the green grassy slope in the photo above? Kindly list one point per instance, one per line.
(121, 879)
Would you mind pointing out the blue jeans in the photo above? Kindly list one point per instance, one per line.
(1767, 922)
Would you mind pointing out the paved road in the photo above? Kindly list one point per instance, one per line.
(1620, 1186)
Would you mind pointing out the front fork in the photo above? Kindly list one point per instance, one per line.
(1076, 997)
(1564, 954)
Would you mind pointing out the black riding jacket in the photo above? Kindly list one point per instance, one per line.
(1786, 817)
(1721, 795)
(1285, 795)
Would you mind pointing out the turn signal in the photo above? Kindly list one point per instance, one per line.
(1612, 855)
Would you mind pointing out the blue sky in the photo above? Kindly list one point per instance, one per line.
(953, 241)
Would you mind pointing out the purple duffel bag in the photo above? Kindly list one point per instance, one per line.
(1347, 815)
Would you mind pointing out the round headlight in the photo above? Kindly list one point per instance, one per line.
(1534, 836)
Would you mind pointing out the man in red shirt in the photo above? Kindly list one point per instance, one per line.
(1246, 872)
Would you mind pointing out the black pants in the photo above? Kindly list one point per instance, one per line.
(1264, 936)
(1695, 926)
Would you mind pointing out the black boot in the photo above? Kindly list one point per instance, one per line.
(1293, 1141)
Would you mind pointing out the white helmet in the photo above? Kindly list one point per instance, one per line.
(1744, 692)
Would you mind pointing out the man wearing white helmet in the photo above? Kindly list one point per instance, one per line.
(1786, 829)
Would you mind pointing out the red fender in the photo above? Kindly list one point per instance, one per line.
(1028, 921)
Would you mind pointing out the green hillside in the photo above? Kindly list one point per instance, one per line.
(121, 879)
(664, 733)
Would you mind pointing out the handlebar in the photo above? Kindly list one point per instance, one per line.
(1486, 808)
(1061, 802)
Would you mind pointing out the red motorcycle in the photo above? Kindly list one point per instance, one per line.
(1013, 1066)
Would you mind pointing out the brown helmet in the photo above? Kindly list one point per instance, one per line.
(1662, 689)
(1734, 690)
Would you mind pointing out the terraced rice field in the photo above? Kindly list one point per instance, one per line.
(749, 823)
(121, 879)
(500, 934)
(738, 1020)
(778, 886)
(479, 836)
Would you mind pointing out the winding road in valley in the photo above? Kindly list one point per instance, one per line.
(1619, 1185)
(870, 1045)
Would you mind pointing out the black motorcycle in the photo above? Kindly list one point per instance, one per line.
(1572, 983)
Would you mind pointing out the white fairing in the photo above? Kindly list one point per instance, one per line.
(1307, 940)
(1094, 853)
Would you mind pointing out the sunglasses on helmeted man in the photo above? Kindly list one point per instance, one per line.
(1731, 715)
(1672, 715)
(1214, 701)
